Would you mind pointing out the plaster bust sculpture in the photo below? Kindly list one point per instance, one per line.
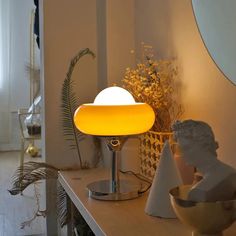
(198, 148)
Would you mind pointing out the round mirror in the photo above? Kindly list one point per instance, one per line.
(216, 21)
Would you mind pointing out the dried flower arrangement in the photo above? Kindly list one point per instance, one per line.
(156, 83)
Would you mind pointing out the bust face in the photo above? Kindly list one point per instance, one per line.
(190, 150)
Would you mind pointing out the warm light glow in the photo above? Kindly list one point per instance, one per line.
(122, 117)
(114, 96)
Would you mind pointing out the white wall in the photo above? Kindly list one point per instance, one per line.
(170, 27)
(120, 39)
(68, 27)
(63, 37)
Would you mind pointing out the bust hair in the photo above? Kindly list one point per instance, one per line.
(196, 131)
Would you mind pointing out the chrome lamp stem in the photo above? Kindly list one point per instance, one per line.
(115, 145)
(114, 189)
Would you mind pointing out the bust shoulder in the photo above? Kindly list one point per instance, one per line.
(214, 188)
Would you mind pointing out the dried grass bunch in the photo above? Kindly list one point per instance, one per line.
(156, 83)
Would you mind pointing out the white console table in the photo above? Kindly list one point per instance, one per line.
(116, 218)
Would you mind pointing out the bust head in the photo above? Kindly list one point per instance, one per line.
(194, 137)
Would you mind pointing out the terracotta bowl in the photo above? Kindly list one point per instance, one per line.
(205, 218)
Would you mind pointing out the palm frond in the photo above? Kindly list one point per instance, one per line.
(31, 172)
(80, 225)
(62, 212)
(69, 103)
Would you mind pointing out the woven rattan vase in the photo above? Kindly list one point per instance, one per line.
(151, 144)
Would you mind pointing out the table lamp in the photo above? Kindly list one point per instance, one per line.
(114, 115)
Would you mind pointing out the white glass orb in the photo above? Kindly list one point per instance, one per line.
(114, 96)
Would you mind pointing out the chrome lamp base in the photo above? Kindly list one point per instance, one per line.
(114, 189)
(103, 190)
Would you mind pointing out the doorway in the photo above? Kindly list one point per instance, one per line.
(19, 88)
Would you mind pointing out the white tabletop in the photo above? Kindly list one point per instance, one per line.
(116, 218)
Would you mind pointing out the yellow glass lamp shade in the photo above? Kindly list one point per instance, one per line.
(114, 113)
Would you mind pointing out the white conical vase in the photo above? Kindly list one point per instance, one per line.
(166, 177)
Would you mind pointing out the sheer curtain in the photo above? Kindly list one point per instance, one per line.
(4, 70)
